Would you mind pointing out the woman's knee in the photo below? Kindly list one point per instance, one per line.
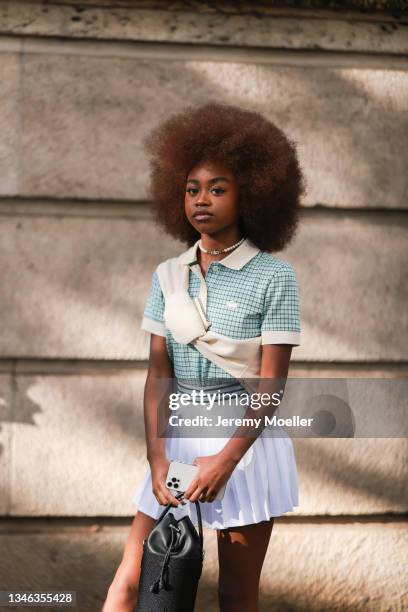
(123, 588)
(122, 593)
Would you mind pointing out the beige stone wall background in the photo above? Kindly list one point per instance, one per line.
(80, 86)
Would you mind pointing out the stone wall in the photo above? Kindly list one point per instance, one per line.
(81, 84)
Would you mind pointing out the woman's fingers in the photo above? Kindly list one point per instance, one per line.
(164, 496)
(171, 499)
(208, 495)
(160, 496)
(199, 492)
(191, 487)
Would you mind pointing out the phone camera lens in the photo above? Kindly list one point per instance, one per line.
(174, 479)
(169, 484)
(175, 485)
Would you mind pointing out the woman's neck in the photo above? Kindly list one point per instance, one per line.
(220, 241)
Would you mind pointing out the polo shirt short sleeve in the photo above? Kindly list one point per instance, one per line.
(280, 318)
(153, 319)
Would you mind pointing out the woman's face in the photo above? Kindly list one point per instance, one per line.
(211, 198)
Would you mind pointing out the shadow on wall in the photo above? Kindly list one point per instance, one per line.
(97, 276)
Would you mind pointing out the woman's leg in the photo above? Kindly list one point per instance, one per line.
(241, 553)
(122, 593)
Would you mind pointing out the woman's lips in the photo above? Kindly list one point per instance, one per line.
(203, 216)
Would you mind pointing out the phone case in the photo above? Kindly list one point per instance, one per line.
(181, 474)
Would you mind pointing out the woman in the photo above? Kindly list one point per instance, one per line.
(228, 183)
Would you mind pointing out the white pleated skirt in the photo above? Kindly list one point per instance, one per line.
(264, 483)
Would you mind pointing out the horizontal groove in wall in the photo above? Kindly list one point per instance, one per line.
(70, 367)
(53, 207)
(135, 209)
(199, 52)
(96, 525)
(361, 11)
(221, 25)
(74, 367)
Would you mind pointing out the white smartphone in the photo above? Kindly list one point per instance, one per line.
(181, 474)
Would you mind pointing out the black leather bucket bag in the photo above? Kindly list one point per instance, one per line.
(172, 563)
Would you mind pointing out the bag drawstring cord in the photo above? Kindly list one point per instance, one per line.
(162, 580)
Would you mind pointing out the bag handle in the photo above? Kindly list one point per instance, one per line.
(198, 510)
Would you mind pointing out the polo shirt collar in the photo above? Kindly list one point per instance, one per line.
(235, 260)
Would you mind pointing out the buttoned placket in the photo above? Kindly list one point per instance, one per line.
(195, 268)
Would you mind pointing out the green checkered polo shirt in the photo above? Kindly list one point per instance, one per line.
(248, 293)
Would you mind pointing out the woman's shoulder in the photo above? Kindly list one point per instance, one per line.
(171, 274)
(269, 265)
(166, 264)
(183, 257)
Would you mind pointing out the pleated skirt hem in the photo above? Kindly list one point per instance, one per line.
(263, 485)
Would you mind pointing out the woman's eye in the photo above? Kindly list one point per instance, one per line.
(192, 191)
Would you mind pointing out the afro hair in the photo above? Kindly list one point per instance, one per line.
(258, 153)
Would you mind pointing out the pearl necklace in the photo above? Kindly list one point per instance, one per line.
(218, 251)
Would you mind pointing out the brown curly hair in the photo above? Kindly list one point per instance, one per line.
(260, 155)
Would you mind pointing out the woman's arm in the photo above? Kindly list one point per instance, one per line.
(159, 378)
(160, 367)
(216, 469)
(274, 368)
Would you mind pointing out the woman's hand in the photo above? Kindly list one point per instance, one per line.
(213, 472)
(159, 468)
